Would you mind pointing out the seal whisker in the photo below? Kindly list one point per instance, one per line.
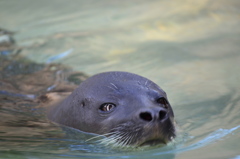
(111, 140)
(117, 139)
(114, 86)
(98, 136)
(133, 137)
(146, 83)
(126, 140)
(105, 141)
(123, 139)
(111, 136)
(93, 138)
(111, 88)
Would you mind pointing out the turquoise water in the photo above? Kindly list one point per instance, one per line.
(190, 48)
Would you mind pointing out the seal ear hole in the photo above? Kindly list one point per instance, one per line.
(163, 102)
(83, 104)
(106, 107)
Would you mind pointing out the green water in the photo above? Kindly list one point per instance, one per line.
(190, 48)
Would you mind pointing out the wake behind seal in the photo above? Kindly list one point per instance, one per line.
(127, 108)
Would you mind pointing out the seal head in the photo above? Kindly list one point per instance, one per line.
(127, 108)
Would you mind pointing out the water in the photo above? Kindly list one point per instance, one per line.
(190, 48)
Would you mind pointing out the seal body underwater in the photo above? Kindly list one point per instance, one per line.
(127, 108)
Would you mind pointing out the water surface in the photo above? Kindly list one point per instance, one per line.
(190, 48)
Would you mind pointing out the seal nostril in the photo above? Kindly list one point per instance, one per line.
(146, 116)
(162, 115)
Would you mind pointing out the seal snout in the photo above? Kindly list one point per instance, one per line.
(154, 115)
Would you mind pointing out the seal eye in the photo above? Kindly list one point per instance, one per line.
(163, 102)
(106, 107)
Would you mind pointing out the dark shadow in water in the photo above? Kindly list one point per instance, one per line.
(27, 89)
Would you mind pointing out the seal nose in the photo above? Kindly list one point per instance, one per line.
(152, 115)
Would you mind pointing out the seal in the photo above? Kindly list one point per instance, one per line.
(127, 108)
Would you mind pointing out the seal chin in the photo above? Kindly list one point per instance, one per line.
(157, 141)
(133, 134)
(153, 142)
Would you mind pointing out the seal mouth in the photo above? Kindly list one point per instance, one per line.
(153, 142)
